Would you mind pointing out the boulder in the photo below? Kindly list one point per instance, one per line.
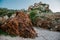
(19, 25)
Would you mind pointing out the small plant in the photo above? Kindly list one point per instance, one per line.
(3, 33)
(33, 15)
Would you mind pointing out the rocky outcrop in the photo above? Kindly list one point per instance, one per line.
(53, 25)
(19, 25)
(42, 7)
(43, 17)
(46, 24)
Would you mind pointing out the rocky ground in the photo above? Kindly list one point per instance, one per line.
(42, 35)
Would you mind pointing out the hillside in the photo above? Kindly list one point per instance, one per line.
(23, 22)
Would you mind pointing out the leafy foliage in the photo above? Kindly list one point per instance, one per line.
(33, 15)
(5, 11)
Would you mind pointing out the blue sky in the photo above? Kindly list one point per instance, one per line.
(24, 4)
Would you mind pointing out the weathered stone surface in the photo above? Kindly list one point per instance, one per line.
(43, 24)
(53, 25)
(19, 25)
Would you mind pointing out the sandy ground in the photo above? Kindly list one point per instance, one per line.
(42, 35)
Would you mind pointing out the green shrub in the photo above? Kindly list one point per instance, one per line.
(3, 33)
(33, 15)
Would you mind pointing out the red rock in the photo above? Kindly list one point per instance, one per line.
(19, 25)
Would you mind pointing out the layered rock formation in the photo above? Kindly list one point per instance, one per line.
(48, 23)
(19, 25)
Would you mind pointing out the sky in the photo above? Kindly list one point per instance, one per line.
(24, 4)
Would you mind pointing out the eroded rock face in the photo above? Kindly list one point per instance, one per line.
(19, 25)
(44, 24)
(56, 28)
(49, 24)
